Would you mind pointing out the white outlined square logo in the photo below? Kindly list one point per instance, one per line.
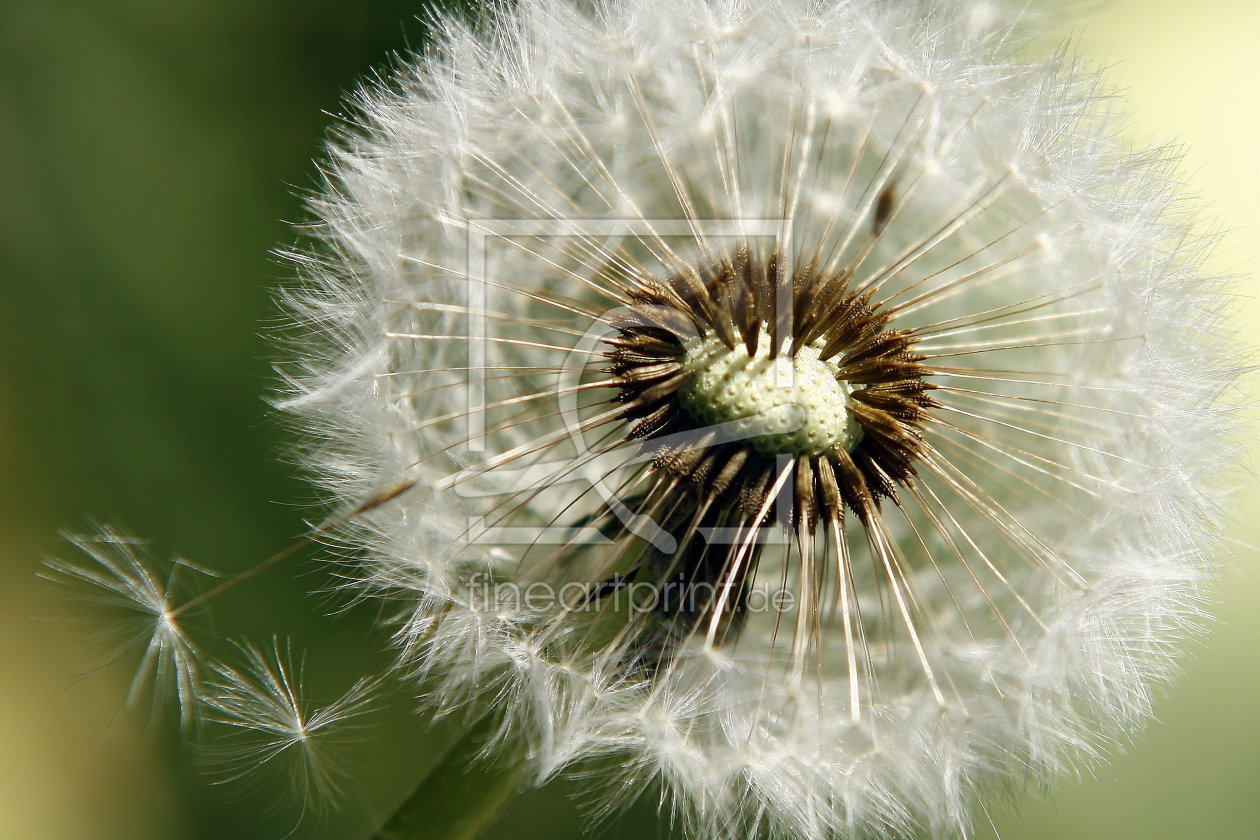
(483, 234)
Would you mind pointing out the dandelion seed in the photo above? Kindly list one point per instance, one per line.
(148, 617)
(807, 407)
(274, 729)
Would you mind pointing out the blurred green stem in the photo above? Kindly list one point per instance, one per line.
(461, 797)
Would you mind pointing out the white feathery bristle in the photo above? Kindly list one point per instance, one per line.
(273, 729)
(145, 621)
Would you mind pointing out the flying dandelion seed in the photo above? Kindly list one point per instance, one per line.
(811, 408)
(266, 725)
(122, 578)
(272, 724)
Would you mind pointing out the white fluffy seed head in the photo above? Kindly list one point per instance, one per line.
(983, 585)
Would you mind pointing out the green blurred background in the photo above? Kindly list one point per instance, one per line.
(149, 151)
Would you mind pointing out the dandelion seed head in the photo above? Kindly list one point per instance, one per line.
(796, 397)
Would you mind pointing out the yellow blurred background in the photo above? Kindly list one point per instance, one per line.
(146, 148)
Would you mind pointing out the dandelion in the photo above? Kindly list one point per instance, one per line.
(809, 408)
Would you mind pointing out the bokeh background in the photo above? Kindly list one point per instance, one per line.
(151, 154)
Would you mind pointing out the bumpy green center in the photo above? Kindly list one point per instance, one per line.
(789, 405)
